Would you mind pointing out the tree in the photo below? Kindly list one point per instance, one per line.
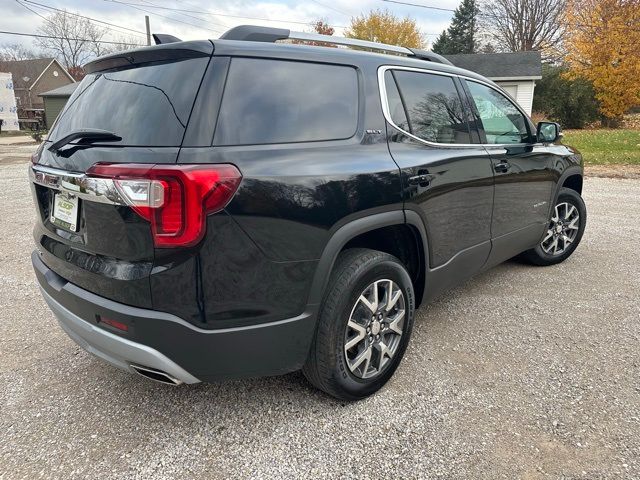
(75, 39)
(322, 27)
(384, 27)
(569, 101)
(460, 37)
(602, 45)
(118, 43)
(15, 51)
(442, 45)
(522, 25)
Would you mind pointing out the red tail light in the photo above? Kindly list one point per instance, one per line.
(176, 199)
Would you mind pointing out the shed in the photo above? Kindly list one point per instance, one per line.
(515, 72)
(55, 100)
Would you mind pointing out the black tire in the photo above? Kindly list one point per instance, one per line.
(326, 366)
(537, 255)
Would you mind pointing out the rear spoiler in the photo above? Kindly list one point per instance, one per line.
(162, 38)
(165, 51)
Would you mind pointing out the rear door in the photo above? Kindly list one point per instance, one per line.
(145, 101)
(447, 175)
(524, 176)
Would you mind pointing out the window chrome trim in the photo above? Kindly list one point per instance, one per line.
(387, 114)
(100, 190)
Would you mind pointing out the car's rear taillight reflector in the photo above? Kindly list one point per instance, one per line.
(175, 199)
(114, 323)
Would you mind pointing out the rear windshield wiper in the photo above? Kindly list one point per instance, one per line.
(88, 135)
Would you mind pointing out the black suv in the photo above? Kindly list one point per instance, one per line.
(241, 207)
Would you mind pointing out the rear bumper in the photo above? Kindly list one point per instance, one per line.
(161, 341)
(111, 348)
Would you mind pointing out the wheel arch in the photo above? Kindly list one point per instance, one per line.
(572, 178)
(574, 182)
(360, 232)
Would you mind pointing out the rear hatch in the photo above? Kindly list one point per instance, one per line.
(131, 108)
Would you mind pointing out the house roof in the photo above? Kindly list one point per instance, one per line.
(501, 66)
(64, 91)
(26, 72)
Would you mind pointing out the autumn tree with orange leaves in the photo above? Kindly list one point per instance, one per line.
(384, 27)
(322, 27)
(603, 45)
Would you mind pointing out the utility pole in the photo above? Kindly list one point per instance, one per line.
(146, 21)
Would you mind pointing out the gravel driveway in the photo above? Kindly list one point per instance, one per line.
(522, 372)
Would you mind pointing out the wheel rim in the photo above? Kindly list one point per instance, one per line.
(563, 229)
(374, 329)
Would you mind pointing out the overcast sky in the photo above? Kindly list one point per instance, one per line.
(189, 25)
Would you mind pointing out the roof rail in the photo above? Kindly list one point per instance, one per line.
(267, 34)
(430, 56)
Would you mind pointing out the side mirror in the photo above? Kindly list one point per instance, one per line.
(548, 132)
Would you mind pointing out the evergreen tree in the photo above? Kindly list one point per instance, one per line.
(441, 45)
(460, 37)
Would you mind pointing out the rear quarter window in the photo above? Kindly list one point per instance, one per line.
(435, 109)
(275, 101)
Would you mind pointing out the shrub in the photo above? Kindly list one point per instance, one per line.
(570, 102)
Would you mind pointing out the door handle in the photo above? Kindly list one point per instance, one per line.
(502, 167)
(422, 180)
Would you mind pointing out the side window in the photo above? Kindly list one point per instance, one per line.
(436, 113)
(501, 119)
(277, 101)
(396, 108)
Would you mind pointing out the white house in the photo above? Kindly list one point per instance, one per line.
(515, 72)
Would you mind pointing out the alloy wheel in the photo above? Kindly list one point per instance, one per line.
(374, 329)
(563, 229)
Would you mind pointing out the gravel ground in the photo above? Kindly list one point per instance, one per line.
(12, 154)
(522, 372)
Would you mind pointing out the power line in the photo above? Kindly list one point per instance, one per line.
(331, 8)
(179, 12)
(36, 35)
(480, 14)
(33, 11)
(218, 14)
(82, 16)
(421, 6)
(203, 12)
(441, 9)
(163, 16)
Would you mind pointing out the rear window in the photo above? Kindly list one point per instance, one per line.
(147, 105)
(273, 101)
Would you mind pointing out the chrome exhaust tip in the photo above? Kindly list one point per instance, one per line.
(155, 375)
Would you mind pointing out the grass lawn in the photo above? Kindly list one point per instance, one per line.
(606, 147)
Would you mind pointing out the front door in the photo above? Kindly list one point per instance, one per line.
(447, 175)
(524, 178)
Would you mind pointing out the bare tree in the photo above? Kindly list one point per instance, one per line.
(15, 51)
(73, 41)
(521, 25)
(118, 43)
